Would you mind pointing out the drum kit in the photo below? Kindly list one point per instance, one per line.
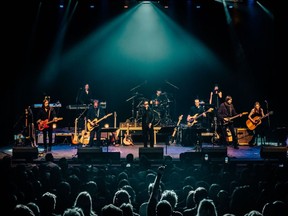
(161, 109)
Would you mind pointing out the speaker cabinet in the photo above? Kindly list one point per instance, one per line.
(273, 152)
(215, 152)
(244, 136)
(95, 154)
(87, 153)
(151, 153)
(27, 153)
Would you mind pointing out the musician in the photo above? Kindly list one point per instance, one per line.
(45, 115)
(195, 111)
(95, 112)
(157, 98)
(227, 110)
(256, 113)
(215, 100)
(147, 115)
(195, 123)
(85, 95)
(215, 97)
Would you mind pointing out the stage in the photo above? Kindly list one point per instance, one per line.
(160, 152)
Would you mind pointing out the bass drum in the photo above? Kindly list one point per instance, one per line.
(157, 118)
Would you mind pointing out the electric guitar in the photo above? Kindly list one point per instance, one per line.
(193, 119)
(45, 123)
(176, 129)
(95, 122)
(127, 137)
(75, 136)
(251, 126)
(229, 119)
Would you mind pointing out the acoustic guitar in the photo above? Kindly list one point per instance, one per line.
(45, 123)
(85, 135)
(258, 119)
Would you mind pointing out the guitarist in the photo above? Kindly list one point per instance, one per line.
(196, 123)
(256, 112)
(226, 110)
(46, 114)
(195, 111)
(95, 112)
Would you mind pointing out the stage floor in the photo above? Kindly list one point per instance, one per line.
(70, 151)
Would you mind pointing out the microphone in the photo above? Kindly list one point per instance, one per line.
(265, 101)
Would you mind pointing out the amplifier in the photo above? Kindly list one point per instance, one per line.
(244, 137)
(39, 138)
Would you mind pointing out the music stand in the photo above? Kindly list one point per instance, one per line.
(108, 130)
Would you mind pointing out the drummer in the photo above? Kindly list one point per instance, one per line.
(157, 99)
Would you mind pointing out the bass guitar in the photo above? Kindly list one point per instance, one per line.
(127, 137)
(95, 122)
(45, 123)
(193, 119)
(258, 119)
(228, 120)
(172, 140)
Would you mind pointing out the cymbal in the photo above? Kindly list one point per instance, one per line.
(139, 94)
(142, 98)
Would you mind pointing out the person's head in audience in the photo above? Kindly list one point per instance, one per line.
(34, 207)
(110, 209)
(254, 213)
(276, 208)
(74, 211)
(171, 197)
(47, 203)
(84, 201)
(127, 209)
(206, 208)
(200, 194)
(121, 196)
(163, 208)
(22, 210)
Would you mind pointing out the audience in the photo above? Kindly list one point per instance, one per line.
(51, 188)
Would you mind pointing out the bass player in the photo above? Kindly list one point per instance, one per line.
(226, 112)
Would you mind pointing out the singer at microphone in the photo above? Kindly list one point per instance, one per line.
(215, 96)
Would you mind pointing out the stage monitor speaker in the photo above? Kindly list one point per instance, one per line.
(273, 152)
(215, 152)
(28, 153)
(88, 153)
(151, 153)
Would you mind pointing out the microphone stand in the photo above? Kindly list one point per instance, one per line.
(268, 119)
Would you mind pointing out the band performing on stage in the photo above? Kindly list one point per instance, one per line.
(209, 120)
